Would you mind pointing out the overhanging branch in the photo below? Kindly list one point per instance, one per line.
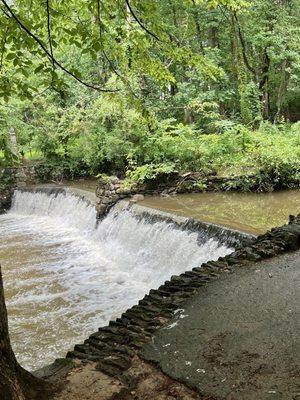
(110, 63)
(45, 50)
(139, 22)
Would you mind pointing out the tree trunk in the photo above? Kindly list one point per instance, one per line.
(197, 25)
(263, 85)
(15, 382)
(282, 89)
(10, 388)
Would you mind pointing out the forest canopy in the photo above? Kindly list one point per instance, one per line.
(139, 87)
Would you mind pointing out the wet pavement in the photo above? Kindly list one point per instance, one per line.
(238, 337)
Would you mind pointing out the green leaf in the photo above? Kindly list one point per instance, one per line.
(39, 68)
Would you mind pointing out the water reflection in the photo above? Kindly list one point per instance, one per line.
(249, 212)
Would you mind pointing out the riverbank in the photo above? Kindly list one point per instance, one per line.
(110, 189)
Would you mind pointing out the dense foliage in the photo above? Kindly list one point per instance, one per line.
(139, 88)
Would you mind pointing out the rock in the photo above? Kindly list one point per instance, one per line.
(124, 191)
(291, 235)
(291, 218)
(105, 200)
(21, 184)
(137, 197)
(114, 179)
(114, 198)
(100, 192)
(101, 209)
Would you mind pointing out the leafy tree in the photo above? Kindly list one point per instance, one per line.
(139, 88)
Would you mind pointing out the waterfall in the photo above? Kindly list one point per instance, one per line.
(66, 275)
(73, 211)
(151, 251)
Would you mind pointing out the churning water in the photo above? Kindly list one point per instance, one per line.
(65, 275)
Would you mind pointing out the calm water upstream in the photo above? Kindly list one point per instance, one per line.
(65, 277)
(249, 212)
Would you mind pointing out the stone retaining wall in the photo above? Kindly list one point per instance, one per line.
(112, 189)
(114, 346)
(11, 178)
(109, 191)
(5, 199)
(7, 184)
(23, 175)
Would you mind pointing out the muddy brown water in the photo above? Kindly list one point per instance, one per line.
(248, 212)
(65, 276)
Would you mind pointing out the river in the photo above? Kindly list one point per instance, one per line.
(65, 276)
(248, 212)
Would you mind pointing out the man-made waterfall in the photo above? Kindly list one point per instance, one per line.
(65, 274)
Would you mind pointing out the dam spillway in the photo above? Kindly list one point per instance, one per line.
(66, 274)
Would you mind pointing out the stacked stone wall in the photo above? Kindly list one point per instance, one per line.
(7, 184)
(14, 177)
(112, 189)
(109, 191)
(5, 199)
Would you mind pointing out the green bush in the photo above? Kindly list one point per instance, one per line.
(108, 135)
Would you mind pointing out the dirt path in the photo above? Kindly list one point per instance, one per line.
(142, 381)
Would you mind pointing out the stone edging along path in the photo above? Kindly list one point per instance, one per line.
(114, 346)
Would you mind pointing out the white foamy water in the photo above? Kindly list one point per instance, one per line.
(64, 276)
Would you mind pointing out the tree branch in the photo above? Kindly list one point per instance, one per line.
(197, 24)
(49, 31)
(100, 35)
(245, 58)
(42, 46)
(110, 63)
(139, 22)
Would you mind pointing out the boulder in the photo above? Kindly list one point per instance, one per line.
(114, 179)
(136, 198)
